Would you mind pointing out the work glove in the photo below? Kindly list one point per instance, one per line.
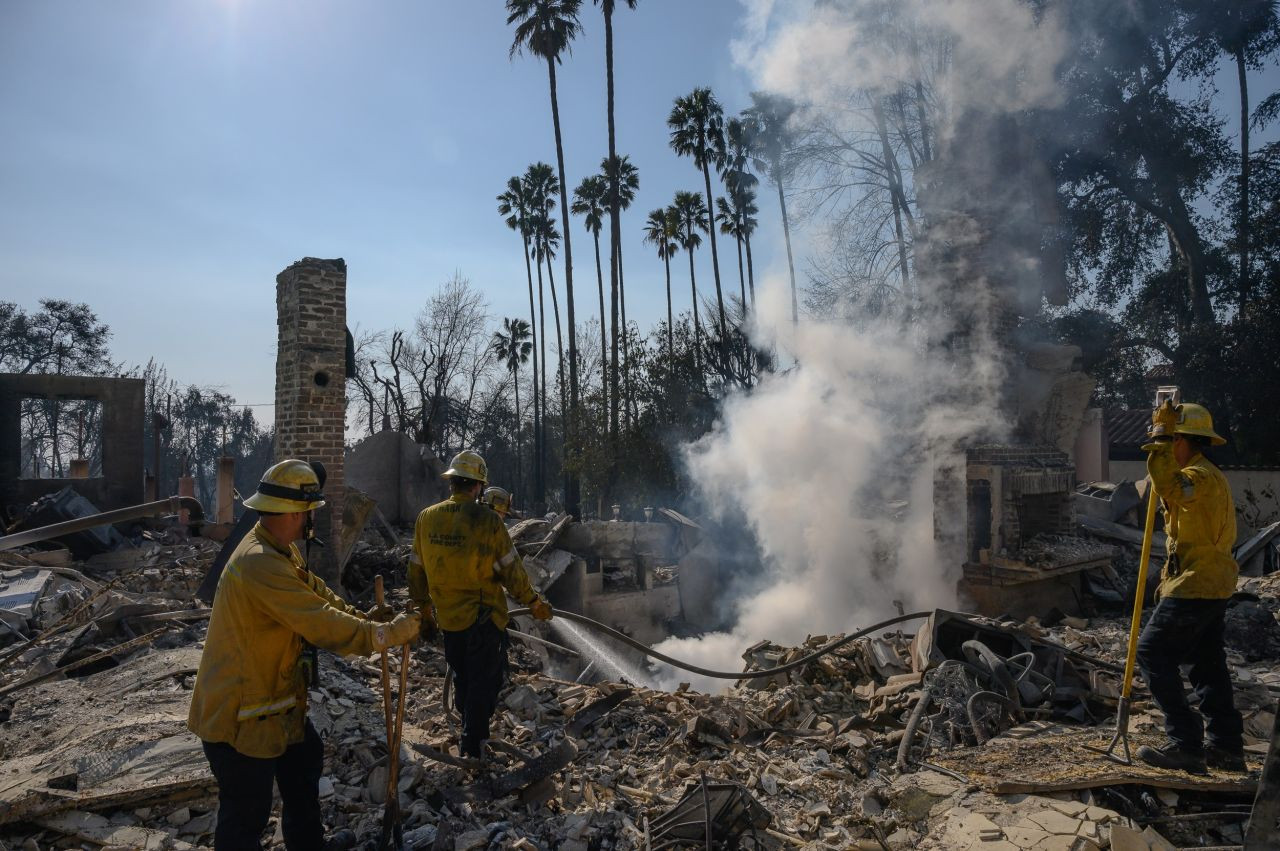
(428, 630)
(402, 630)
(382, 613)
(1164, 420)
(540, 609)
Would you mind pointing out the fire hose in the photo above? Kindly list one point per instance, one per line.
(696, 669)
(729, 675)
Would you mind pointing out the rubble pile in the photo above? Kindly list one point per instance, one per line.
(955, 732)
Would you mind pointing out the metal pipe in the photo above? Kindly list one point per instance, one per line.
(172, 505)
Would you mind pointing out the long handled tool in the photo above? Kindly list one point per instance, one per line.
(1162, 424)
(1122, 712)
(392, 831)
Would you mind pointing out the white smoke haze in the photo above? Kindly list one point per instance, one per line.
(1002, 58)
(833, 462)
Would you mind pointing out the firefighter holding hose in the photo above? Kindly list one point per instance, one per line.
(464, 564)
(1197, 581)
(249, 706)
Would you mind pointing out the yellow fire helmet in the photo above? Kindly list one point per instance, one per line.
(287, 487)
(468, 465)
(498, 499)
(1195, 419)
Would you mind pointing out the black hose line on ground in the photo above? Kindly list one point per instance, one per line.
(729, 675)
(676, 663)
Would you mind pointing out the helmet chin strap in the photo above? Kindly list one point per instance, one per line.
(309, 531)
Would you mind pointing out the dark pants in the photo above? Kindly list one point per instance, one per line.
(244, 794)
(478, 657)
(1185, 631)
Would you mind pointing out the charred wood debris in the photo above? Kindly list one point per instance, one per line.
(956, 732)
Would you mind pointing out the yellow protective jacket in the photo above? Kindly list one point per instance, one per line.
(249, 690)
(462, 560)
(1200, 520)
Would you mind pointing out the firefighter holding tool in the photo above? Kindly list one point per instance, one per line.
(249, 706)
(1196, 584)
(464, 564)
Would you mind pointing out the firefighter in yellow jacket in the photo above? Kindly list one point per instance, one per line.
(1196, 584)
(464, 564)
(249, 706)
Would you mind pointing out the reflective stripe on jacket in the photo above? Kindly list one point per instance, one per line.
(249, 691)
(1200, 521)
(462, 560)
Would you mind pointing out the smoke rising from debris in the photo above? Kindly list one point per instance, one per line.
(834, 461)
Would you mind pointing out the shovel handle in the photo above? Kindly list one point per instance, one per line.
(1140, 592)
(393, 734)
(379, 597)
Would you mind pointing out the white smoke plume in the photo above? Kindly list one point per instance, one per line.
(833, 462)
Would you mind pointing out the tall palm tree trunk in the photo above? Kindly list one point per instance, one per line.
(615, 395)
(542, 426)
(555, 307)
(786, 232)
(615, 250)
(751, 277)
(533, 330)
(742, 278)
(629, 401)
(515, 386)
(697, 329)
(1243, 232)
(715, 268)
(671, 338)
(604, 352)
(571, 495)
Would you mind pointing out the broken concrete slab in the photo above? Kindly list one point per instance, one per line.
(110, 739)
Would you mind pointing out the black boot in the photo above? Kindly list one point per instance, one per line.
(1225, 760)
(341, 840)
(1173, 758)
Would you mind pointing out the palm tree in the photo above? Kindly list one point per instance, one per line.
(771, 140)
(515, 204)
(1246, 30)
(736, 217)
(512, 347)
(615, 206)
(745, 202)
(697, 130)
(689, 214)
(545, 28)
(740, 182)
(727, 218)
(623, 182)
(662, 231)
(588, 201)
(540, 188)
(546, 240)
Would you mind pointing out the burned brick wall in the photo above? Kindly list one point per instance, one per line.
(311, 304)
(1016, 492)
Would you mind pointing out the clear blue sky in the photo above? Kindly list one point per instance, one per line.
(164, 160)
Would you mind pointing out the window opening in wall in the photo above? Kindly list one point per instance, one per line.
(1040, 514)
(60, 438)
(979, 518)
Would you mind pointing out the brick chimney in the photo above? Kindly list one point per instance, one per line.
(311, 305)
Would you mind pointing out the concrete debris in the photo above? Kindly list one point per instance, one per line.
(963, 732)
